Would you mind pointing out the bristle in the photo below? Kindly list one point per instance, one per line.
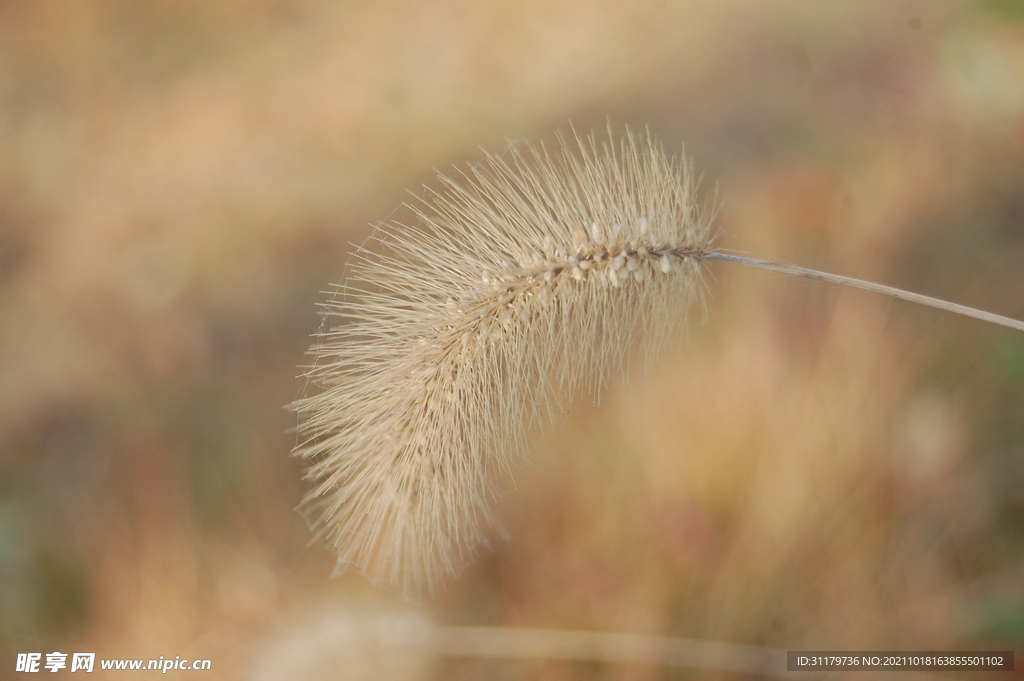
(529, 276)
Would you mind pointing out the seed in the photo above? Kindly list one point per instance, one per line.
(579, 237)
(549, 248)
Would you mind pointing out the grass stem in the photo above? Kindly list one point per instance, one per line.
(796, 270)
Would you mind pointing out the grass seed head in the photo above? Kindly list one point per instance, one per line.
(521, 279)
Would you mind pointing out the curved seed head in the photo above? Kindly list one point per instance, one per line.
(403, 439)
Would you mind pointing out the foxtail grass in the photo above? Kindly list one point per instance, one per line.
(520, 280)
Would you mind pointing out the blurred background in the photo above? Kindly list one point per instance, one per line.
(811, 468)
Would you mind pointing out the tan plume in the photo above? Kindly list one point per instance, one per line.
(525, 277)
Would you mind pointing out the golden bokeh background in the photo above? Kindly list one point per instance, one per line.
(811, 468)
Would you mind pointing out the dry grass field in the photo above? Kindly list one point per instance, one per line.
(809, 468)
